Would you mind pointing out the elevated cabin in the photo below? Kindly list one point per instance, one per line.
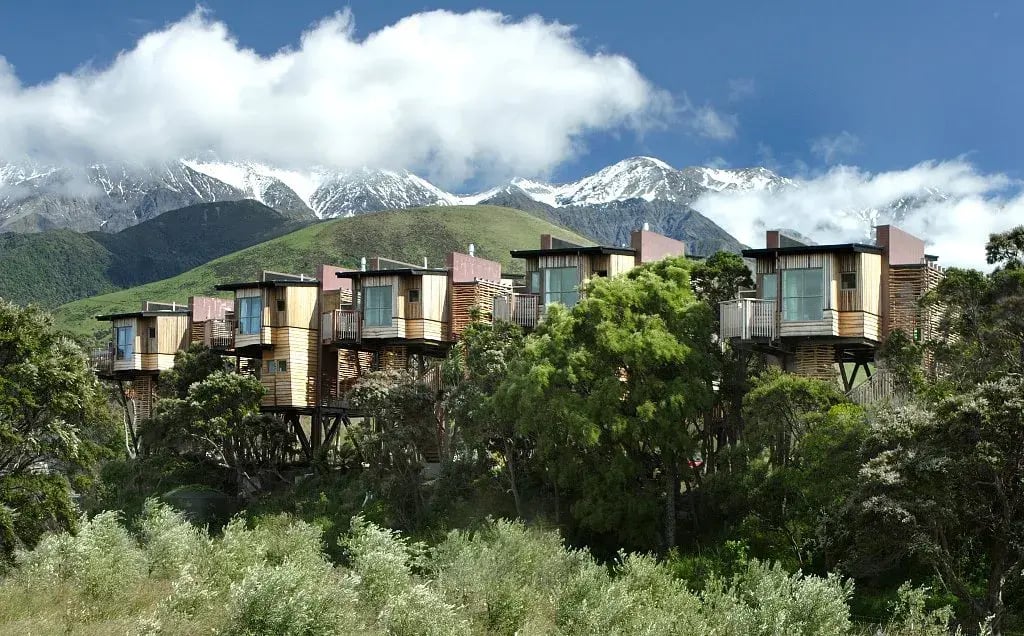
(275, 330)
(142, 344)
(819, 306)
(211, 322)
(395, 315)
(556, 272)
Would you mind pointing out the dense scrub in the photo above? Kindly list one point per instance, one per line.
(165, 576)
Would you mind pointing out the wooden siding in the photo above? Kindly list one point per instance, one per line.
(480, 295)
(827, 326)
(295, 387)
(814, 360)
(300, 307)
(859, 324)
(907, 285)
(171, 333)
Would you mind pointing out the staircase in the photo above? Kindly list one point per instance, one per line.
(880, 387)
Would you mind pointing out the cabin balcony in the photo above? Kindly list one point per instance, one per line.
(749, 319)
(340, 325)
(219, 334)
(520, 309)
(101, 361)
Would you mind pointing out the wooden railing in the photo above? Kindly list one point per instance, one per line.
(749, 318)
(520, 309)
(340, 325)
(102, 360)
(219, 334)
(880, 387)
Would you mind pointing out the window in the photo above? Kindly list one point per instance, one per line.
(414, 295)
(250, 315)
(277, 366)
(377, 306)
(271, 366)
(848, 281)
(152, 332)
(534, 283)
(769, 286)
(560, 286)
(803, 294)
(280, 305)
(125, 342)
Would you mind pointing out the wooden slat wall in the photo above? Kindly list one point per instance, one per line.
(813, 360)
(466, 296)
(142, 389)
(171, 333)
(620, 264)
(294, 387)
(300, 307)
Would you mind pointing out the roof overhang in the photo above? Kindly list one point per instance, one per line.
(264, 284)
(565, 251)
(405, 271)
(816, 249)
(143, 314)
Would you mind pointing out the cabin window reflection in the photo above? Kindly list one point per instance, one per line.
(803, 294)
(377, 306)
(769, 286)
(250, 315)
(561, 285)
(848, 281)
(125, 342)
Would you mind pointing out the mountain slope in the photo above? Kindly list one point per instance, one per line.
(57, 266)
(408, 235)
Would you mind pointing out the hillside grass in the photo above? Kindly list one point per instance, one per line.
(408, 235)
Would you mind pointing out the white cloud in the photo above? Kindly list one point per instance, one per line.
(449, 95)
(959, 208)
(741, 88)
(707, 122)
(834, 149)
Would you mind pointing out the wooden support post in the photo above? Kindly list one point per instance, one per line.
(293, 418)
(332, 430)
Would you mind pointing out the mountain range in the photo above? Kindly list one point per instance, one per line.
(604, 206)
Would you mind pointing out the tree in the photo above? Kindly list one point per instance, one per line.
(54, 425)
(191, 365)
(720, 277)
(946, 485)
(399, 428)
(479, 427)
(614, 387)
(219, 420)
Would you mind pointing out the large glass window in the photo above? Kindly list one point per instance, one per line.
(377, 306)
(250, 315)
(561, 285)
(125, 342)
(803, 294)
(769, 286)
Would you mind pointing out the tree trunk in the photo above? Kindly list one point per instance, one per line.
(511, 472)
(671, 492)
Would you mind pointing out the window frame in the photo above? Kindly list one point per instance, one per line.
(802, 314)
(414, 295)
(774, 287)
(560, 295)
(126, 350)
(378, 314)
(842, 282)
(246, 318)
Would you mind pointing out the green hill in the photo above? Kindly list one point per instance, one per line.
(55, 267)
(408, 235)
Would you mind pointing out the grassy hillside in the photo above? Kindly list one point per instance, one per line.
(55, 267)
(403, 234)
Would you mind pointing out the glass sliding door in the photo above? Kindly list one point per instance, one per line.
(250, 315)
(561, 285)
(803, 294)
(377, 306)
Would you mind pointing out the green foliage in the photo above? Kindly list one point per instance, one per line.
(408, 235)
(272, 578)
(614, 386)
(191, 365)
(52, 416)
(944, 485)
(720, 277)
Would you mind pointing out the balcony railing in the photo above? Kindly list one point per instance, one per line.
(102, 360)
(340, 325)
(219, 334)
(520, 309)
(748, 319)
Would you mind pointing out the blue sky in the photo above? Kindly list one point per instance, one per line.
(907, 81)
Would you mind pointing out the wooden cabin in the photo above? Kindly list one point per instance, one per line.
(821, 308)
(395, 315)
(211, 322)
(556, 272)
(142, 344)
(275, 329)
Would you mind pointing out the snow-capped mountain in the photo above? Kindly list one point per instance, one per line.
(112, 197)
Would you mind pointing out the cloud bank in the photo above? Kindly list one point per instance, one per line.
(449, 95)
(950, 204)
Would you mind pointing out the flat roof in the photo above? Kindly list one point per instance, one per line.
(404, 271)
(184, 311)
(815, 249)
(262, 284)
(562, 251)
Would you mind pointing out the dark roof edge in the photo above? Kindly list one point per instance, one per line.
(261, 284)
(813, 249)
(144, 314)
(405, 271)
(557, 251)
